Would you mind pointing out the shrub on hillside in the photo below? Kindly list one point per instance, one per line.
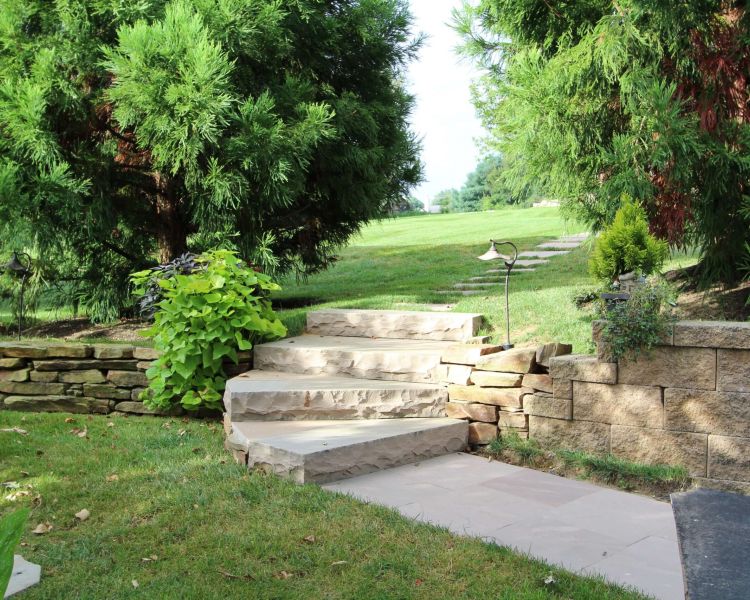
(627, 246)
(204, 316)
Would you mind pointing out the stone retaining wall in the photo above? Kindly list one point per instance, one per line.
(78, 378)
(687, 403)
(490, 387)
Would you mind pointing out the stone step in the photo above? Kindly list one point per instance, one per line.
(514, 271)
(541, 253)
(476, 285)
(400, 324)
(278, 396)
(560, 245)
(530, 262)
(325, 451)
(463, 292)
(387, 359)
(487, 279)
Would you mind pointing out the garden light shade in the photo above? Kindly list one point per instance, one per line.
(493, 254)
(16, 266)
(18, 269)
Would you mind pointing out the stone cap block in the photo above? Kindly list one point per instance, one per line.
(712, 334)
(467, 354)
(582, 367)
(495, 379)
(547, 351)
(518, 360)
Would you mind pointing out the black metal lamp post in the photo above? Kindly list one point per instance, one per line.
(493, 254)
(17, 268)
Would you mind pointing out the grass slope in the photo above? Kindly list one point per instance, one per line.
(401, 264)
(170, 511)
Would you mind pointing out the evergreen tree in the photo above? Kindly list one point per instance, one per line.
(600, 99)
(133, 131)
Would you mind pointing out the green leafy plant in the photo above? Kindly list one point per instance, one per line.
(11, 528)
(626, 245)
(204, 318)
(636, 326)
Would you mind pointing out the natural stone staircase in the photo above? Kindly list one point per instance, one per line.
(359, 392)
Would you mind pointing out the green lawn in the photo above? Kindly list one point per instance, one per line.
(170, 511)
(400, 263)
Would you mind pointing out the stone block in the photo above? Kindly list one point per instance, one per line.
(138, 408)
(712, 334)
(19, 350)
(478, 339)
(513, 420)
(105, 351)
(507, 431)
(87, 376)
(668, 366)
(705, 411)
(135, 394)
(144, 365)
(44, 376)
(570, 435)
(54, 403)
(548, 406)
(518, 360)
(510, 397)
(31, 388)
(68, 351)
(456, 374)
(467, 354)
(80, 365)
(734, 370)
(636, 405)
(495, 379)
(482, 433)
(145, 353)
(728, 458)
(104, 390)
(538, 382)
(547, 351)
(474, 412)
(562, 388)
(12, 363)
(20, 375)
(128, 378)
(582, 367)
(656, 446)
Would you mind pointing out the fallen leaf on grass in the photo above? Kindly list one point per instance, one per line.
(550, 580)
(70, 420)
(338, 563)
(181, 432)
(310, 539)
(110, 424)
(25, 473)
(83, 514)
(42, 528)
(283, 575)
(151, 558)
(11, 485)
(81, 433)
(17, 430)
(229, 575)
(113, 477)
(135, 583)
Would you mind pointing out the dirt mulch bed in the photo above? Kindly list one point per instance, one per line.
(125, 330)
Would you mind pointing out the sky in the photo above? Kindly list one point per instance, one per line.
(444, 117)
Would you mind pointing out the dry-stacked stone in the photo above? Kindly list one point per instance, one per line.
(489, 387)
(79, 378)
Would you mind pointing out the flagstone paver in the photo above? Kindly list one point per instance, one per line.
(630, 539)
(542, 253)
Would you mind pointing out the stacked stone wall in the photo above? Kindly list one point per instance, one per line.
(490, 387)
(79, 378)
(687, 402)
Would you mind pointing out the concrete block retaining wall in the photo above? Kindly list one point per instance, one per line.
(687, 402)
(79, 378)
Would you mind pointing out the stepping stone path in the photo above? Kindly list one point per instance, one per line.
(527, 262)
(359, 392)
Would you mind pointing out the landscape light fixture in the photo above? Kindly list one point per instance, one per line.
(493, 254)
(22, 269)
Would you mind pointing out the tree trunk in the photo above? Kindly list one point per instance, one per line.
(172, 232)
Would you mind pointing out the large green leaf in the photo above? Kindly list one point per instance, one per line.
(11, 529)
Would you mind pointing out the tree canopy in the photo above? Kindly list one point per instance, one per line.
(133, 131)
(600, 100)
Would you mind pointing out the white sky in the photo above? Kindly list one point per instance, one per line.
(444, 116)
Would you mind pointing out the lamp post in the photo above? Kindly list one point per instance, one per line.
(493, 254)
(18, 269)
